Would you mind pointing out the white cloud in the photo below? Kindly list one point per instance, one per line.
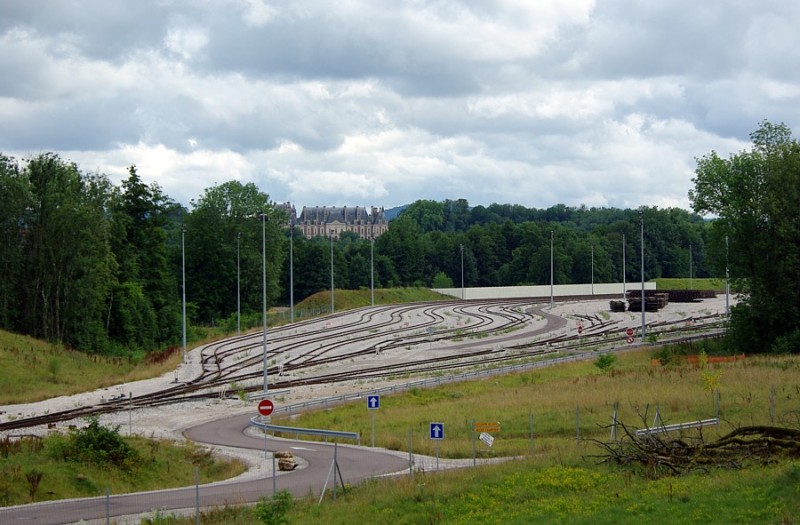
(384, 102)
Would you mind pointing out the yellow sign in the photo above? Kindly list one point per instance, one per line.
(486, 426)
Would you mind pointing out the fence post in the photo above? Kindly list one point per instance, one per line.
(614, 422)
(772, 405)
(530, 425)
(410, 456)
(474, 461)
(197, 496)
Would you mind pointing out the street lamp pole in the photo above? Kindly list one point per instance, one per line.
(264, 290)
(641, 226)
(331, 232)
(238, 287)
(462, 272)
(183, 288)
(551, 269)
(291, 271)
(624, 284)
(727, 279)
(592, 269)
(372, 268)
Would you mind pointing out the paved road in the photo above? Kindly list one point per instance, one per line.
(355, 463)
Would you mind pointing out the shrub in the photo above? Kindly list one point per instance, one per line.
(95, 444)
(605, 362)
(273, 511)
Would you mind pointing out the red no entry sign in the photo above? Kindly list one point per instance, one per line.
(629, 332)
(265, 407)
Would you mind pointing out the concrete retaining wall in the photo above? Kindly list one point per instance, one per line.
(559, 290)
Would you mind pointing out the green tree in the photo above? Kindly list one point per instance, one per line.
(15, 203)
(69, 265)
(756, 195)
(143, 303)
(223, 214)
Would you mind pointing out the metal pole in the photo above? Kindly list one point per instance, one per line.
(108, 506)
(462, 272)
(727, 280)
(592, 269)
(183, 288)
(530, 425)
(264, 290)
(274, 477)
(641, 225)
(291, 271)
(130, 413)
(474, 451)
(372, 269)
(551, 269)
(331, 232)
(624, 284)
(197, 496)
(238, 286)
(410, 455)
(691, 281)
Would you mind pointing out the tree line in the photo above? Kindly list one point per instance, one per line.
(100, 266)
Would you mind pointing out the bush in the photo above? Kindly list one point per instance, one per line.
(605, 362)
(273, 511)
(97, 445)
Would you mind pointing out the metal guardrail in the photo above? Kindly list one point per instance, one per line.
(306, 431)
(255, 396)
(432, 382)
(677, 426)
(428, 383)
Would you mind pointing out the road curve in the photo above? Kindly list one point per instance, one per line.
(355, 464)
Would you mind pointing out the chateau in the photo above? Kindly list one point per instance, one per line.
(333, 221)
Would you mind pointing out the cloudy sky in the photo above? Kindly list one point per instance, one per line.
(384, 102)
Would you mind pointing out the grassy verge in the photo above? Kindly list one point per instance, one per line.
(34, 370)
(691, 284)
(559, 480)
(85, 463)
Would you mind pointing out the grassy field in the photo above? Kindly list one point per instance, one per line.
(34, 370)
(558, 478)
(715, 284)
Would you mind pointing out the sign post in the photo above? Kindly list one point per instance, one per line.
(265, 408)
(373, 404)
(437, 434)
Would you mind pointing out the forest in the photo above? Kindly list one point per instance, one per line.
(100, 267)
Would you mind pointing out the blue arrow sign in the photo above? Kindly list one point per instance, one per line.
(373, 402)
(437, 430)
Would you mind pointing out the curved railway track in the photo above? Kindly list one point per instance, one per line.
(452, 335)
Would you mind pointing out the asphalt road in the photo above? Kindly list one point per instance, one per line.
(355, 464)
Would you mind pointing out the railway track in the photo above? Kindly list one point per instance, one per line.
(381, 342)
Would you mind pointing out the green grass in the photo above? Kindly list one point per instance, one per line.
(34, 370)
(716, 284)
(161, 464)
(350, 299)
(562, 481)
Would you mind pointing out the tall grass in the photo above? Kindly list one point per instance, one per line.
(565, 400)
(559, 480)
